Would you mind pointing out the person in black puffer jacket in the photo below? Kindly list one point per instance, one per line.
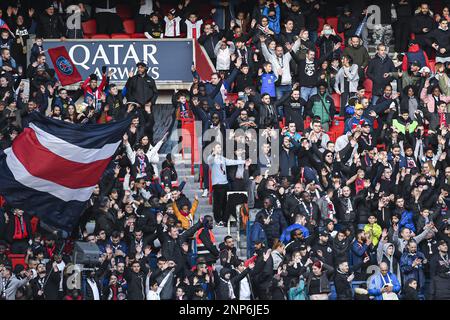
(422, 24)
(50, 25)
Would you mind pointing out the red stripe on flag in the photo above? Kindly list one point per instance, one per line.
(42, 163)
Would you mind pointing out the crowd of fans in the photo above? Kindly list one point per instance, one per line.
(355, 202)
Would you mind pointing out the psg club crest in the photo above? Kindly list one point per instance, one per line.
(64, 65)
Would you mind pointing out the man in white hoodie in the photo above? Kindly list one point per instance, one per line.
(223, 51)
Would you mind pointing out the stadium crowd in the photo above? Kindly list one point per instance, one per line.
(360, 183)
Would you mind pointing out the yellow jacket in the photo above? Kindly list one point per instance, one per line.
(186, 221)
(375, 232)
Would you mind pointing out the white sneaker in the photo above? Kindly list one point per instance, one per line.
(220, 225)
(205, 193)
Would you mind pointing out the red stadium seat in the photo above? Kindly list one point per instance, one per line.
(338, 126)
(321, 23)
(138, 36)
(337, 101)
(124, 11)
(89, 27)
(333, 22)
(100, 36)
(120, 36)
(17, 259)
(129, 26)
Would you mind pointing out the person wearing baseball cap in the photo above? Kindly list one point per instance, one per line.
(322, 249)
(141, 88)
(357, 119)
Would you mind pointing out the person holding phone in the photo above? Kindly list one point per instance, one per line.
(412, 265)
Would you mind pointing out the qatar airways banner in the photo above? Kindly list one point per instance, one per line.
(169, 60)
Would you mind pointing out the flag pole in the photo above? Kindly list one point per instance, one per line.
(51, 270)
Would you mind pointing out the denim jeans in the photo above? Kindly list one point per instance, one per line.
(313, 35)
(281, 91)
(375, 99)
(306, 92)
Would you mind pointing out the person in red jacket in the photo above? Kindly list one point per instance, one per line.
(94, 91)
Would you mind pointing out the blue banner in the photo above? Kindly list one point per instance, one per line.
(169, 60)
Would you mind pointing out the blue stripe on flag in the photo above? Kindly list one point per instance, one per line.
(90, 136)
(51, 210)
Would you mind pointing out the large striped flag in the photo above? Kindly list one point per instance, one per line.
(53, 166)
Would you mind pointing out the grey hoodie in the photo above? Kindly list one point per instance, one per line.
(382, 252)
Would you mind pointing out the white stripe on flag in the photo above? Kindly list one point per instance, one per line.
(70, 151)
(24, 177)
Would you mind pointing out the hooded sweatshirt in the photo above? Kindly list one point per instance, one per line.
(391, 261)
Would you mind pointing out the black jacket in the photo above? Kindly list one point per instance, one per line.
(440, 289)
(213, 254)
(326, 44)
(276, 225)
(222, 289)
(209, 43)
(89, 292)
(421, 21)
(267, 116)
(263, 272)
(50, 27)
(236, 282)
(375, 71)
(171, 248)
(51, 287)
(136, 284)
(141, 89)
(442, 38)
(343, 287)
(327, 272)
(294, 111)
(297, 17)
(344, 214)
(291, 206)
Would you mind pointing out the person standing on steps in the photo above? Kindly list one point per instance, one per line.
(218, 164)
